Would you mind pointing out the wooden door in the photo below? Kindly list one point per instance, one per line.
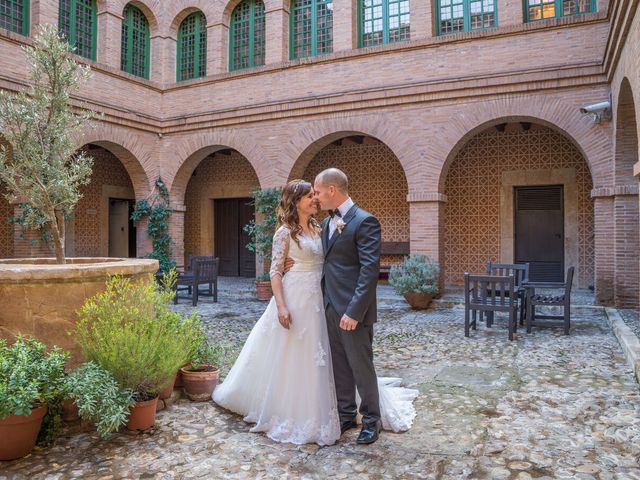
(539, 231)
(230, 239)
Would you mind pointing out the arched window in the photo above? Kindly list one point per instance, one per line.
(456, 16)
(77, 21)
(247, 43)
(192, 47)
(135, 42)
(541, 9)
(383, 21)
(311, 28)
(14, 16)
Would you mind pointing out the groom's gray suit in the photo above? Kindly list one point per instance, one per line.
(349, 279)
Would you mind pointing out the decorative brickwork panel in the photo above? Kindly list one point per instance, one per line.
(217, 176)
(376, 182)
(107, 170)
(472, 212)
(6, 229)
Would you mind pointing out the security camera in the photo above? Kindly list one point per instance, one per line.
(598, 111)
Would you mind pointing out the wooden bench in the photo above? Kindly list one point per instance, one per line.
(392, 248)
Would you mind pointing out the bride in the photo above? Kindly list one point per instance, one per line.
(282, 380)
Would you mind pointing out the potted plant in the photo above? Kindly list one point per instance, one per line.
(30, 379)
(130, 331)
(416, 279)
(261, 233)
(201, 376)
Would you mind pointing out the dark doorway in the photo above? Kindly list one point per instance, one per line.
(231, 215)
(539, 231)
(122, 230)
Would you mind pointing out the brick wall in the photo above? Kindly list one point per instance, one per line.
(472, 223)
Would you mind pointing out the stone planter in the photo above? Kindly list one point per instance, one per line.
(418, 301)
(199, 384)
(263, 290)
(40, 298)
(18, 433)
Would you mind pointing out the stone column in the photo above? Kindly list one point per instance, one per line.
(422, 19)
(277, 35)
(604, 253)
(345, 25)
(217, 48)
(109, 42)
(510, 13)
(426, 226)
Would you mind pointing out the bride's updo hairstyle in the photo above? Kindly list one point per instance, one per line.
(288, 213)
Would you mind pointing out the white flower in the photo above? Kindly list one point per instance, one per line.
(340, 225)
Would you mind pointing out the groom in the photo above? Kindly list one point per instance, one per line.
(351, 241)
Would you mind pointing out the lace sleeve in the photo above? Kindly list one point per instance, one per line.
(279, 251)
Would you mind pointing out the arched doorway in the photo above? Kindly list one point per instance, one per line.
(376, 182)
(519, 191)
(625, 204)
(218, 205)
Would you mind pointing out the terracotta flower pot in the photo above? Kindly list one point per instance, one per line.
(263, 290)
(199, 384)
(70, 411)
(166, 392)
(418, 301)
(18, 433)
(143, 415)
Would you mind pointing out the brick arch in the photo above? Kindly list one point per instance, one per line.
(179, 13)
(587, 136)
(307, 142)
(626, 135)
(151, 8)
(269, 5)
(196, 148)
(136, 158)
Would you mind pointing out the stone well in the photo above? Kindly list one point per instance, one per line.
(39, 298)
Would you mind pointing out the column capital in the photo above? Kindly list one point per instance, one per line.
(616, 191)
(415, 197)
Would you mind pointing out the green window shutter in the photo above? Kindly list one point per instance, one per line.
(78, 22)
(247, 36)
(383, 21)
(14, 16)
(192, 47)
(135, 42)
(455, 16)
(311, 28)
(541, 9)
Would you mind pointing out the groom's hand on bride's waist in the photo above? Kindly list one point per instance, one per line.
(348, 323)
(288, 263)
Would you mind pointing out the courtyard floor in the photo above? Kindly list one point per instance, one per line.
(543, 406)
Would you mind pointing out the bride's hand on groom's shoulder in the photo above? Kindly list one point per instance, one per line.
(284, 317)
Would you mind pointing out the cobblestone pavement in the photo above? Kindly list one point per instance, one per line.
(543, 406)
(632, 319)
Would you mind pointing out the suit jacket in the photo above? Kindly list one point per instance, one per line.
(352, 265)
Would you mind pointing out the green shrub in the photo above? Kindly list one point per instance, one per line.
(130, 331)
(417, 274)
(99, 398)
(219, 354)
(29, 376)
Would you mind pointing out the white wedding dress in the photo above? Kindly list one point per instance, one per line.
(282, 380)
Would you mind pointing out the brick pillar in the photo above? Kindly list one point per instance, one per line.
(176, 231)
(510, 13)
(604, 254)
(168, 57)
(626, 246)
(217, 48)
(157, 48)
(43, 11)
(636, 173)
(426, 226)
(109, 38)
(345, 25)
(277, 35)
(421, 19)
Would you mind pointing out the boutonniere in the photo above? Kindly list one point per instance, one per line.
(340, 225)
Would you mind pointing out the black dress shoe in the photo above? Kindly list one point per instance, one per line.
(347, 425)
(369, 433)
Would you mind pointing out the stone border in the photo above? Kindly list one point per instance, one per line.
(628, 340)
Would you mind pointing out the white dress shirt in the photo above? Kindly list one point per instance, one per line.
(343, 209)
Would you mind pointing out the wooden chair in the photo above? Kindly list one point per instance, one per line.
(204, 270)
(520, 272)
(489, 293)
(547, 300)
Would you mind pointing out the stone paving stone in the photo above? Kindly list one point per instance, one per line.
(545, 406)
